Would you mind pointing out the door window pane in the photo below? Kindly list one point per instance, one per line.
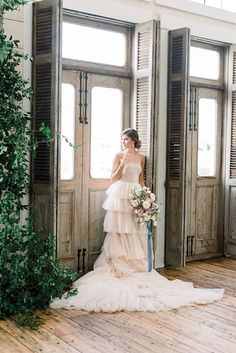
(204, 63)
(93, 44)
(207, 129)
(67, 131)
(106, 124)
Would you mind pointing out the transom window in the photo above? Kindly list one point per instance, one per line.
(95, 45)
(204, 63)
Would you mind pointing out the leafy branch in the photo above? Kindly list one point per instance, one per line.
(47, 134)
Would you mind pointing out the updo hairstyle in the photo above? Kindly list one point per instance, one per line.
(133, 135)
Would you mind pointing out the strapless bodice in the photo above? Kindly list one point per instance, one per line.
(131, 172)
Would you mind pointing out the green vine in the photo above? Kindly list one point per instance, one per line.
(11, 5)
(30, 276)
(47, 136)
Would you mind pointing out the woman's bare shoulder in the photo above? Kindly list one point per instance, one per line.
(118, 156)
(142, 157)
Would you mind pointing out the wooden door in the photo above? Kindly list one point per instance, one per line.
(204, 232)
(95, 109)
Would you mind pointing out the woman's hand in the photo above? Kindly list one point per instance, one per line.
(124, 160)
(117, 167)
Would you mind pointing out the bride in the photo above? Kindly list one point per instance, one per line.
(120, 280)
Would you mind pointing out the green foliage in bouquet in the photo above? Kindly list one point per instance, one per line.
(30, 276)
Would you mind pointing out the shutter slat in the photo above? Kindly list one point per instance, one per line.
(42, 115)
(233, 130)
(234, 69)
(175, 129)
(44, 31)
(143, 50)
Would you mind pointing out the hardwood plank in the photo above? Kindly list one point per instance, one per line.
(132, 337)
(202, 338)
(79, 336)
(9, 344)
(226, 262)
(39, 340)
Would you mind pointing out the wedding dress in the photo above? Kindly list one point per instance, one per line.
(120, 280)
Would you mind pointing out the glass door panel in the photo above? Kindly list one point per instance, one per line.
(207, 133)
(106, 126)
(67, 131)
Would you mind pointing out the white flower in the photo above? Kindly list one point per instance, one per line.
(146, 205)
(134, 203)
(143, 206)
(152, 197)
(141, 220)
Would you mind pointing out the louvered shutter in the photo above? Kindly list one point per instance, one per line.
(230, 186)
(178, 87)
(46, 77)
(146, 92)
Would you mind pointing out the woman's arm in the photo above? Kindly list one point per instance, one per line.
(141, 176)
(117, 167)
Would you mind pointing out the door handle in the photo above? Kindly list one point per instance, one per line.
(195, 112)
(78, 255)
(81, 120)
(191, 109)
(85, 97)
(83, 256)
(190, 245)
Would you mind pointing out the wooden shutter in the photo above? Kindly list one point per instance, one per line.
(46, 77)
(178, 87)
(230, 185)
(146, 92)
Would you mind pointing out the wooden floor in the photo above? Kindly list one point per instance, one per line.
(200, 329)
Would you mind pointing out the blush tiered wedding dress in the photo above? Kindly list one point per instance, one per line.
(120, 280)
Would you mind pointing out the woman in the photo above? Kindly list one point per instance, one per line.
(120, 280)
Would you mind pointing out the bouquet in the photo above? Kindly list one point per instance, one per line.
(145, 209)
(143, 205)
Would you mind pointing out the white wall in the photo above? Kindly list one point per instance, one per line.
(204, 21)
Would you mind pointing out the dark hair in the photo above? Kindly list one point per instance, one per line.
(133, 135)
